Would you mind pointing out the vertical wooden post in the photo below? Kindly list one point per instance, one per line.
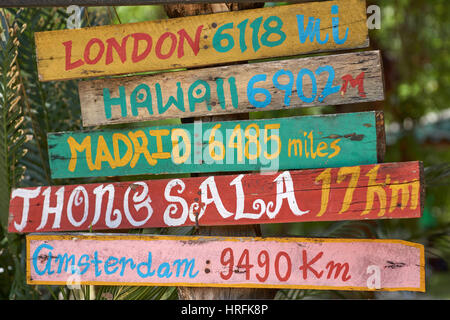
(198, 293)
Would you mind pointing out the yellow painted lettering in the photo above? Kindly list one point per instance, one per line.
(306, 145)
(325, 177)
(77, 147)
(276, 137)
(159, 154)
(311, 138)
(404, 188)
(183, 134)
(103, 154)
(252, 139)
(322, 146)
(342, 174)
(120, 162)
(336, 148)
(297, 144)
(213, 143)
(140, 148)
(237, 135)
(374, 188)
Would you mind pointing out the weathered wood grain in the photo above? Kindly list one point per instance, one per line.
(233, 89)
(201, 40)
(297, 263)
(383, 191)
(251, 230)
(249, 145)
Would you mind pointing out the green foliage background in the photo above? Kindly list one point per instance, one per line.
(414, 42)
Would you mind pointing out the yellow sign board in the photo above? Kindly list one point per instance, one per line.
(202, 40)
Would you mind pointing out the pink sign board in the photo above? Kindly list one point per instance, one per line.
(301, 263)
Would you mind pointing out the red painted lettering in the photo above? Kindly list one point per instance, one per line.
(339, 267)
(194, 45)
(160, 42)
(244, 263)
(87, 51)
(308, 265)
(229, 262)
(135, 56)
(277, 266)
(263, 263)
(69, 64)
(121, 49)
(142, 46)
(359, 81)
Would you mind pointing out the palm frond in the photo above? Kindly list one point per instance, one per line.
(12, 131)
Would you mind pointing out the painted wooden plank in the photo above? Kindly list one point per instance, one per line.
(384, 191)
(99, 3)
(248, 145)
(316, 81)
(298, 263)
(202, 40)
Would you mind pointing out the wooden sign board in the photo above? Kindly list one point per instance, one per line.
(202, 40)
(384, 191)
(249, 145)
(296, 263)
(316, 81)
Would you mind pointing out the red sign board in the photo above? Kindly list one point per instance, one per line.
(392, 190)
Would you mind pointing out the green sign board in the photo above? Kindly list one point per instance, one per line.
(250, 145)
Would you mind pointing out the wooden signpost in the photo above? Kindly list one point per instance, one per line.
(297, 263)
(202, 40)
(324, 80)
(270, 144)
(384, 191)
(341, 152)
